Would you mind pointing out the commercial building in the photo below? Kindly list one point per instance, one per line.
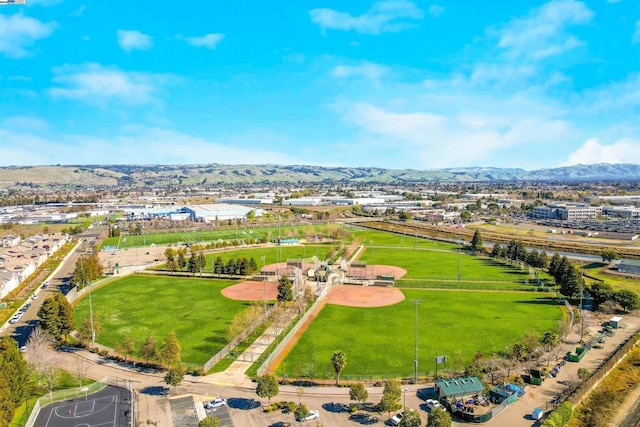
(629, 266)
(566, 212)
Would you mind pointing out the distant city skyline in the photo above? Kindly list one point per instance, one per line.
(390, 83)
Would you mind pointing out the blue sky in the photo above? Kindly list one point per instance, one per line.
(390, 83)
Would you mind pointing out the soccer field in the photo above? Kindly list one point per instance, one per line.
(456, 324)
(142, 306)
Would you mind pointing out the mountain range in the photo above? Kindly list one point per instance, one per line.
(167, 175)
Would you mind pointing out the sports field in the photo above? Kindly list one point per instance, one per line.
(272, 254)
(380, 238)
(216, 234)
(142, 306)
(438, 264)
(381, 341)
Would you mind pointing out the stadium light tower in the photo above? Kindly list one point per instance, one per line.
(416, 302)
(264, 285)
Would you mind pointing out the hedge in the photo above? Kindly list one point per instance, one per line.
(560, 416)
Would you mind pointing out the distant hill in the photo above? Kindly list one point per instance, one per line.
(163, 175)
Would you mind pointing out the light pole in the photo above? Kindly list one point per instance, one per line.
(458, 261)
(264, 285)
(416, 302)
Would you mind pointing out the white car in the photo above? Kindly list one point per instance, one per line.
(432, 403)
(313, 414)
(395, 420)
(23, 348)
(34, 296)
(215, 403)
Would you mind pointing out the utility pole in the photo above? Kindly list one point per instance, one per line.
(416, 302)
(264, 285)
(458, 261)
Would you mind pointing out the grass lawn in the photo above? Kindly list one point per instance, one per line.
(381, 238)
(271, 254)
(439, 264)
(617, 281)
(142, 306)
(242, 233)
(456, 324)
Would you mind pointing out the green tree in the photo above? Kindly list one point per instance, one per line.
(627, 299)
(14, 379)
(267, 387)
(609, 255)
(570, 281)
(550, 339)
(56, 316)
(85, 331)
(410, 418)
(87, 270)
(358, 393)
(172, 262)
(583, 373)
(174, 377)
(476, 242)
(601, 292)
(126, 347)
(182, 258)
(209, 422)
(338, 361)
(285, 292)
(301, 412)
(149, 349)
(390, 397)
(170, 349)
(438, 417)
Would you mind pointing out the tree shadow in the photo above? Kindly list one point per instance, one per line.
(364, 419)
(242, 403)
(334, 407)
(155, 390)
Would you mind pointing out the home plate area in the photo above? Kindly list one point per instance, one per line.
(108, 407)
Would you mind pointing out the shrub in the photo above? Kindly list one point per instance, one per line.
(560, 416)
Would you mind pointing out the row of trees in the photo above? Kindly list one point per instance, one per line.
(88, 269)
(268, 387)
(14, 379)
(515, 251)
(239, 266)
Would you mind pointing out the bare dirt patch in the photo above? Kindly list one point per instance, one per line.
(364, 296)
(252, 291)
(373, 271)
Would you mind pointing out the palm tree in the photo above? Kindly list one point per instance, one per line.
(339, 361)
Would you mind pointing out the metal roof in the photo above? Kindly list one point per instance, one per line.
(462, 386)
(634, 262)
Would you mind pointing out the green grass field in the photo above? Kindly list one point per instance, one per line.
(598, 270)
(381, 340)
(240, 233)
(142, 306)
(271, 254)
(437, 264)
(381, 238)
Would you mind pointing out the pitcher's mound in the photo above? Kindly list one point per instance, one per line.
(252, 291)
(364, 296)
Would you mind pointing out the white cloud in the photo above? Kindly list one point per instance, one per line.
(366, 70)
(430, 139)
(42, 2)
(543, 33)
(210, 41)
(96, 84)
(25, 122)
(384, 16)
(138, 146)
(134, 40)
(18, 32)
(618, 96)
(636, 34)
(435, 10)
(592, 151)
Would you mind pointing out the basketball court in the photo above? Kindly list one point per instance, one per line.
(110, 407)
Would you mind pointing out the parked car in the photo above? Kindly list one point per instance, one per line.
(34, 296)
(395, 420)
(215, 403)
(14, 319)
(313, 414)
(432, 403)
(23, 348)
